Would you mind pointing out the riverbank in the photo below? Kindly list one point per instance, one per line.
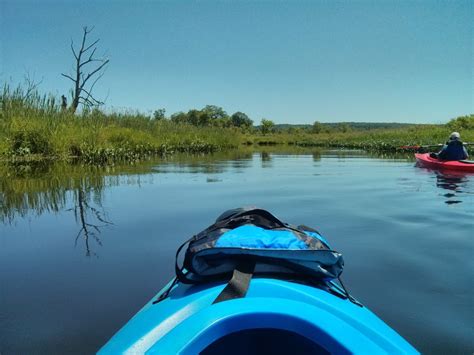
(34, 127)
(376, 140)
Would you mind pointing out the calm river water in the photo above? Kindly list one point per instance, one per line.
(82, 249)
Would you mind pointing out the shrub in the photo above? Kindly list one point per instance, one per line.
(25, 142)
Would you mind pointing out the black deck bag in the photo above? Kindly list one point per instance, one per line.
(250, 238)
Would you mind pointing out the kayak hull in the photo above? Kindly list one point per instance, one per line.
(426, 161)
(187, 322)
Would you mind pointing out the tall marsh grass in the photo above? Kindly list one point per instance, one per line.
(32, 125)
(381, 140)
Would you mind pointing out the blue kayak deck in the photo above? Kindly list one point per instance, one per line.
(187, 322)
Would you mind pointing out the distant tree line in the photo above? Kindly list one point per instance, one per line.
(462, 123)
(334, 127)
(210, 115)
(216, 116)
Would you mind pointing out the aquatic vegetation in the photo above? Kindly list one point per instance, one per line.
(34, 126)
(380, 139)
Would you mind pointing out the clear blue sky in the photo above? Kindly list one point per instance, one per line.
(289, 61)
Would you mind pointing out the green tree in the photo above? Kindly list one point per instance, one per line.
(214, 112)
(317, 127)
(266, 126)
(194, 118)
(159, 114)
(344, 127)
(222, 122)
(240, 119)
(179, 117)
(461, 123)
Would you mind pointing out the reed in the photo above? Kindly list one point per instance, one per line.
(381, 140)
(33, 126)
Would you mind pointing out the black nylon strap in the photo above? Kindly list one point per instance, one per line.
(238, 285)
(349, 297)
(179, 272)
(257, 217)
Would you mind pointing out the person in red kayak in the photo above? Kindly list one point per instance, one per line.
(453, 149)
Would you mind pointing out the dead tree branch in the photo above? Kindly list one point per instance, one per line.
(84, 71)
(31, 86)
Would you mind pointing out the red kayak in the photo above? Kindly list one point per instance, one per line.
(426, 161)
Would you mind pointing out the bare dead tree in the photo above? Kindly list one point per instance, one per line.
(85, 71)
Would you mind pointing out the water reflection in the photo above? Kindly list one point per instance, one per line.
(90, 219)
(316, 156)
(455, 185)
(453, 181)
(37, 188)
(204, 164)
(48, 187)
(213, 179)
(266, 159)
(44, 187)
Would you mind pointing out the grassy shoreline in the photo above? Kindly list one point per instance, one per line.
(377, 140)
(33, 127)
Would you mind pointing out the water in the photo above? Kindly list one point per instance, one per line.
(82, 249)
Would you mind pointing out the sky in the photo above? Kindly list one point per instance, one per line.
(288, 61)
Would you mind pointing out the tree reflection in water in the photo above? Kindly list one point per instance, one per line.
(40, 187)
(266, 159)
(34, 188)
(85, 214)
